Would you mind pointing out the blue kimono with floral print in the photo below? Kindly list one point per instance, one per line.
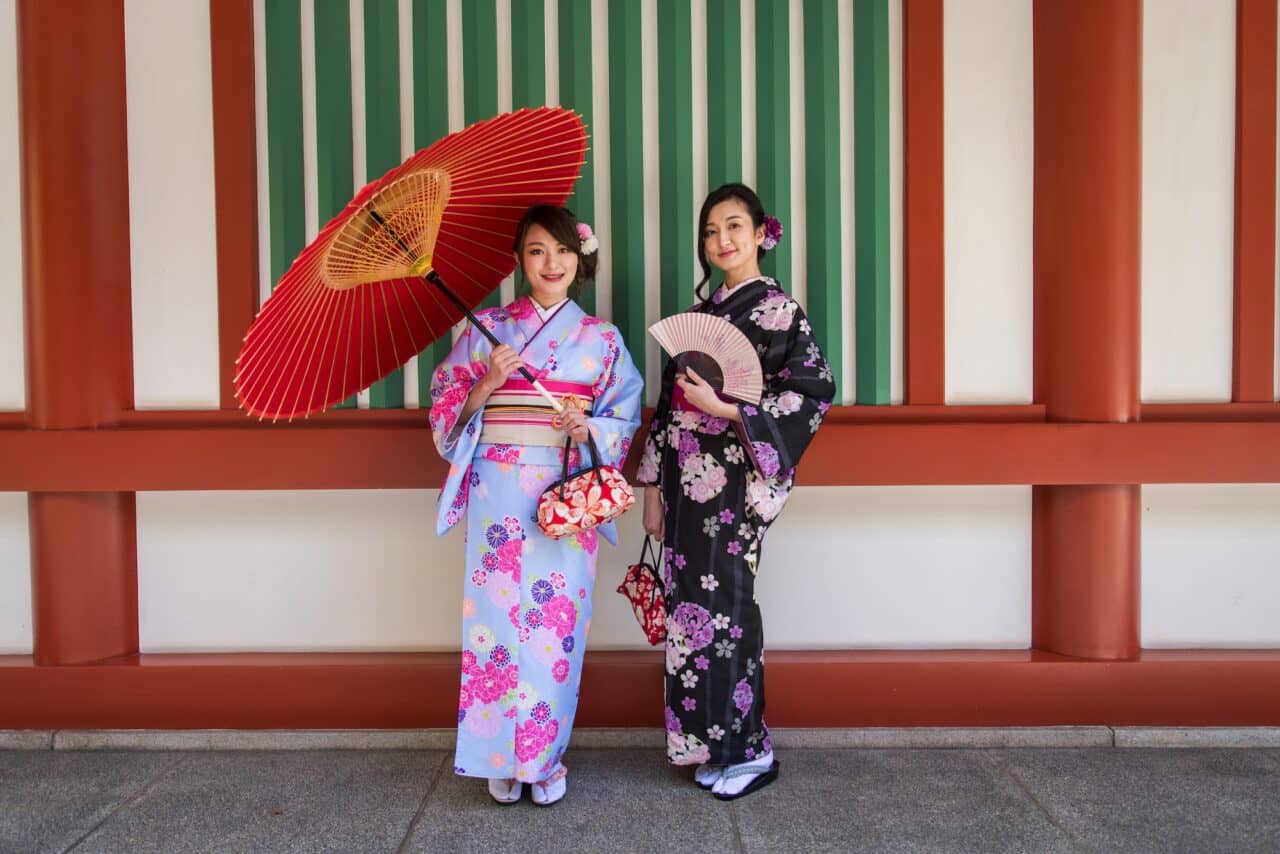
(723, 484)
(527, 599)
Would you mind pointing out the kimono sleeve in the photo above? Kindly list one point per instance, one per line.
(451, 384)
(796, 397)
(616, 411)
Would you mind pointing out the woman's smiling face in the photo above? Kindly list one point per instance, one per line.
(730, 240)
(548, 264)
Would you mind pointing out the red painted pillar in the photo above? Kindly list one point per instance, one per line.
(1087, 250)
(75, 220)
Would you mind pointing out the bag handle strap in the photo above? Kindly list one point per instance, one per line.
(595, 460)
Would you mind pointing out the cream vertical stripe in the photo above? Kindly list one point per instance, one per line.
(171, 205)
(13, 388)
(795, 230)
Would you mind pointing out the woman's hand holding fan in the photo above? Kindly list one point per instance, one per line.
(715, 357)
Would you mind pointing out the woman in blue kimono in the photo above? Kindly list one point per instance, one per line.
(527, 600)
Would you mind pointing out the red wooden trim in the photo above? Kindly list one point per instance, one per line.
(624, 689)
(923, 414)
(1211, 412)
(1086, 253)
(79, 354)
(1253, 354)
(924, 297)
(236, 182)
(403, 457)
(75, 212)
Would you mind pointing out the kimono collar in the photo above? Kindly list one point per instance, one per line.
(538, 340)
(723, 294)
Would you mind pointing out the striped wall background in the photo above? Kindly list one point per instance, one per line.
(801, 99)
(322, 134)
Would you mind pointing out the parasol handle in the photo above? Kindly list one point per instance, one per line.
(434, 278)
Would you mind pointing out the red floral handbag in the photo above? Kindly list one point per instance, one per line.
(583, 500)
(643, 587)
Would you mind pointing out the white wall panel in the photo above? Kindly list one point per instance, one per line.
(362, 570)
(987, 150)
(1211, 565)
(908, 567)
(15, 575)
(12, 378)
(332, 570)
(1188, 190)
(171, 204)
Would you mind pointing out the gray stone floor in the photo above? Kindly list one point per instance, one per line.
(624, 800)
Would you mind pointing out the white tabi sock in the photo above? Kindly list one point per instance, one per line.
(737, 777)
(708, 775)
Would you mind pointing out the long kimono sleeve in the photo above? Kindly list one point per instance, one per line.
(616, 411)
(797, 395)
(451, 384)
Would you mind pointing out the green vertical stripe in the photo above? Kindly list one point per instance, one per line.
(430, 122)
(675, 153)
(382, 134)
(773, 126)
(480, 70)
(575, 94)
(335, 181)
(284, 134)
(871, 197)
(724, 92)
(626, 171)
(528, 53)
(822, 178)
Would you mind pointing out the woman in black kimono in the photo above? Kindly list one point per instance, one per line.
(718, 474)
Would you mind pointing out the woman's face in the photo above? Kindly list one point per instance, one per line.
(730, 240)
(548, 264)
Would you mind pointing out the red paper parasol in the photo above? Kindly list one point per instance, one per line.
(370, 291)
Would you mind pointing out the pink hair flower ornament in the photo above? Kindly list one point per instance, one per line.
(587, 239)
(772, 232)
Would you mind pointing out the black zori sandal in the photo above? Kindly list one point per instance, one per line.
(762, 779)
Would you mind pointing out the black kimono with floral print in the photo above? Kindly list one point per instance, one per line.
(722, 485)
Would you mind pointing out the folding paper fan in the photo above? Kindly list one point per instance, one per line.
(715, 349)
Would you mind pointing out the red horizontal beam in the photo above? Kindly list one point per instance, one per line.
(624, 689)
(401, 456)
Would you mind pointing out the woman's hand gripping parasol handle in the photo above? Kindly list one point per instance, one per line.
(434, 278)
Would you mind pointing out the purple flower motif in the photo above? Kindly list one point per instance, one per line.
(701, 662)
(750, 410)
(687, 447)
(500, 656)
(533, 618)
(735, 632)
(462, 715)
(475, 478)
(673, 722)
(726, 516)
(496, 535)
(751, 753)
(695, 622)
(542, 591)
(742, 696)
(689, 704)
(767, 456)
(490, 561)
(541, 711)
(680, 561)
(735, 548)
(767, 744)
(567, 644)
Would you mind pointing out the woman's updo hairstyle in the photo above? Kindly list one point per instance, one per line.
(723, 193)
(562, 225)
